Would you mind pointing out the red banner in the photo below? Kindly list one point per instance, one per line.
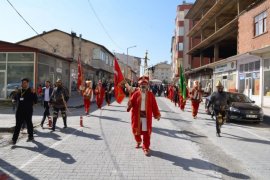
(118, 79)
(80, 74)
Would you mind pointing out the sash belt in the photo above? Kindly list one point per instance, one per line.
(142, 114)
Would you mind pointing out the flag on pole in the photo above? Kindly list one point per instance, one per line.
(80, 74)
(118, 79)
(182, 84)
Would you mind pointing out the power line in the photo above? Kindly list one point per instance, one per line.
(30, 25)
(103, 27)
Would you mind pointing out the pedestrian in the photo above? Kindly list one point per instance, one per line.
(143, 106)
(87, 96)
(196, 98)
(108, 93)
(59, 99)
(99, 92)
(25, 98)
(46, 94)
(12, 96)
(220, 102)
(175, 96)
(39, 94)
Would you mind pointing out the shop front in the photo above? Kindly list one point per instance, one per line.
(226, 74)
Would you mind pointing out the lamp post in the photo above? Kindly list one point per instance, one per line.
(127, 55)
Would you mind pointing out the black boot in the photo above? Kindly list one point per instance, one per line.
(54, 123)
(65, 122)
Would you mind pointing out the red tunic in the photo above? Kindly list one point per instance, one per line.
(151, 109)
(100, 92)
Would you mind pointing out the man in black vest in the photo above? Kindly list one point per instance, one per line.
(46, 94)
(59, 100)
(26, 98)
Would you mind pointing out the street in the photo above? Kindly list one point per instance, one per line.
(181, 148)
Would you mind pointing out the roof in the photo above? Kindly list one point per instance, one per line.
(12, 47)
(57, 30)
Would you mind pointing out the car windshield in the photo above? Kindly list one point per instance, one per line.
(239, 98)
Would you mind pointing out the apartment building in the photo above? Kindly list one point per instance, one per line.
(97, 60)
(229, 42)
(180, 42)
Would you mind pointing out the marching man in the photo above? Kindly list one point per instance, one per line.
(100, 92)
(196, 98)
(87, 96)
(143, 106)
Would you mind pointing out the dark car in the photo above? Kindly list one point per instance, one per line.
(241, 108)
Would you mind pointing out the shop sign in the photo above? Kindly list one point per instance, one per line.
(59, 70)
(225, 67)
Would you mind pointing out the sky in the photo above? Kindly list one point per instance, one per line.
(116, 24)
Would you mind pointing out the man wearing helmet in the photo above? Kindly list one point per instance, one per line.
(219, 100)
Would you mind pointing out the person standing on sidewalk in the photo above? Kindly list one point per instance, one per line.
(46, 94)
(196, 98)
(26, 98)
(220, 102)
(143, 106)
(87, 96)
(59, 100)
(99, 92)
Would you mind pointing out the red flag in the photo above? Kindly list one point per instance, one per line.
(80, 74)
(118, 79)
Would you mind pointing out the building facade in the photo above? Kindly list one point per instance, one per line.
(161, 71)
(17, 62)
(97, 60)
(130, 66)
(180, 42)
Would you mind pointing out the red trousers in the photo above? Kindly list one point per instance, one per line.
(195, 107)
(146, 139)
(86, 105)
(182, 103)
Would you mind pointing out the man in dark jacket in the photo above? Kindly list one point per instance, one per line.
(25, 98)
(59, 100)
(220, 101)
(46, 94)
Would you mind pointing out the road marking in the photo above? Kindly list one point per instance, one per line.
(44, 152)
(258, 136)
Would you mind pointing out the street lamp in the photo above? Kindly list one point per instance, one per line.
(127, 55)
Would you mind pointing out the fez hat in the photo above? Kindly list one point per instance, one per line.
(59, 81)
(88, 81)
(219, 84)
(143, 79)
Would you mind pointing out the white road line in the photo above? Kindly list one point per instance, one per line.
(254, 134)
(44, 152)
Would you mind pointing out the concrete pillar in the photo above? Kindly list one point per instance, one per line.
(216, 52)
(201, 58)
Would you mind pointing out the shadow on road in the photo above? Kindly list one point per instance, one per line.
(187, 164)
(110, 118)
(80, 133)
(14, 171)
(176, 119)
(230, 136)
(50, 152)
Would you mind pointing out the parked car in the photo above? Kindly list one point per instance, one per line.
(241, 108)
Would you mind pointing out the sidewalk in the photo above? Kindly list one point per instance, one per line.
(7, 118)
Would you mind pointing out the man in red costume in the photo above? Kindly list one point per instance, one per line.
(100, 92)
(196, 98)
(87, 96)
(183, 98)
(143, 106)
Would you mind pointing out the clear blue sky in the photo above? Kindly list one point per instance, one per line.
(148, 24)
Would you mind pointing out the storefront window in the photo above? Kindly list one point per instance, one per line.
(231, 83)
(20, 57)
(17, 71)
(2, 57)
(2, 66)
(266, 79)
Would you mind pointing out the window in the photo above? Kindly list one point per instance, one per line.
(181, 31)
(180, 47)
(260, 24)
(242, 68)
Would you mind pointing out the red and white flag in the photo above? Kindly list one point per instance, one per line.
(118, 80)
(80, 74)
